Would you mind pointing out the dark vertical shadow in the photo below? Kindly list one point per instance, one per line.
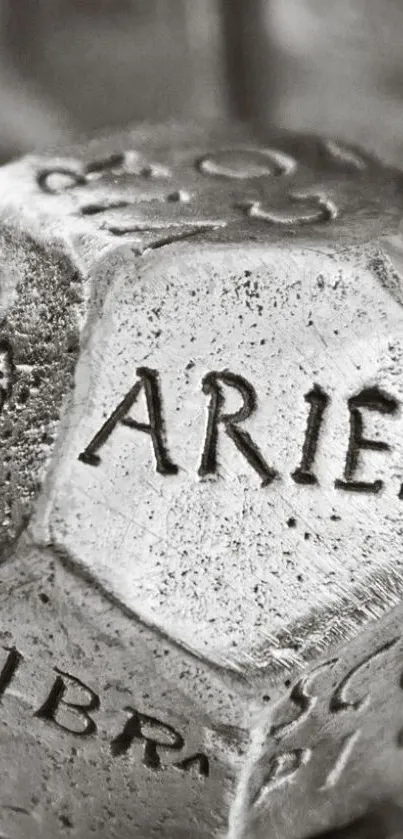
(247, 58)
(21, 21)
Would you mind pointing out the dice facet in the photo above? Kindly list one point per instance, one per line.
(227, 462)
(200, 413)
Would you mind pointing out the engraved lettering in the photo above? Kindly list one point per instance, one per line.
(185, 228)
(318, 400)
(180, 228)
(60, 179)
(239, 164)
(149, 382)
(345, 156)
(10, 668)
(73, 714)
(282, 768)
(199, 760)
(80, 711)
(95, 209)
(113, 163)
(374, 400)
(338, 701)
(302, 699)
(244, 163)
(149, 731)
(131, 161)
(241, 438)
(347, 746)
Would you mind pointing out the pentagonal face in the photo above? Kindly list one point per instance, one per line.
(231, 460)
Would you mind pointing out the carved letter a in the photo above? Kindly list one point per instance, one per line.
(148, 380)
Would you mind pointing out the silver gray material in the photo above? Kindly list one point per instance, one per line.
(331, 751)
(200, 408)
(83, 688)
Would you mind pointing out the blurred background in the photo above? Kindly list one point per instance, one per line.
(70, 67)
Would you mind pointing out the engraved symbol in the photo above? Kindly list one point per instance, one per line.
(338, 702)
(182, 227)
(60, 179)
(282, 768)
(374, 400)
(63, 177)
(318, 400)
(94, 209)
(149, 382)
(113, 163)
(340, 763)
(334, 752)
(185, 227)
(244, 163)
(324, 210)
(304, 701)
(344, 155)
(241, 438)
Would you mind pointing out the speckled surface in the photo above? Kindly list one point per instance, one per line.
(39, 345)
(62, 778)
(241, 562)
(233, 314)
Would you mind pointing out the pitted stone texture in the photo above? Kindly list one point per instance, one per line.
(65, 776)
(233, 569)
(39, 338)
(208, 255)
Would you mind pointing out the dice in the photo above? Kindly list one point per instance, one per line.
(200, 357)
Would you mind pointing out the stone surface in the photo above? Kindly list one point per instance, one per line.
(239, 303)
(200, 357)
(41, 301)
(82, 688)
(330, 752)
